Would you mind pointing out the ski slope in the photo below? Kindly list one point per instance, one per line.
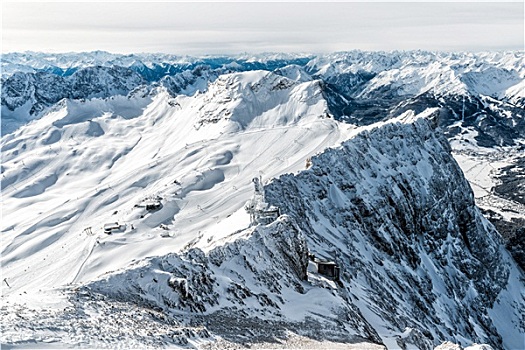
(95, 162)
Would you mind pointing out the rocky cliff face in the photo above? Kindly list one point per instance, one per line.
(255, 288)
(420, 264)
(44, 89)
(392, 207)
(26, 95)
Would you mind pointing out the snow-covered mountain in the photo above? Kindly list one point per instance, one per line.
(484, 91)
(420, 263)
(152, 66)
(357, 170)
(361, 87)
(392, 207)
(32, 82)
(26, 95)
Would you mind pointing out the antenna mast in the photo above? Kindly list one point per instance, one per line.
(463, 110)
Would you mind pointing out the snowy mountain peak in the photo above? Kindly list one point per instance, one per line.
(260, 99)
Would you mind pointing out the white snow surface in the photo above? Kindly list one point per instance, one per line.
(91, 163)
(87, 163)
(498, 74)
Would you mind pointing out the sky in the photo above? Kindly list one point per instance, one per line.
(197, 28)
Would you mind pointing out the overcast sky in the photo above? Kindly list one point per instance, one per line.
(217, 28)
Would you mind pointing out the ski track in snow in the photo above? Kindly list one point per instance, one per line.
(78, 180)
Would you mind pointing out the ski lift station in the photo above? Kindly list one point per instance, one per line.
(260, 211)
(328, 268)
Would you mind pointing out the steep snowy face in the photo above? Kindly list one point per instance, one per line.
(294, 72)
(393, 209)
(189, 82)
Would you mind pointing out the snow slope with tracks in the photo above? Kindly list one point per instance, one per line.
(97, 163)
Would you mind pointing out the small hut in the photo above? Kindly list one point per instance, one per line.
(153, 205)
(113, 227)
(328, 269)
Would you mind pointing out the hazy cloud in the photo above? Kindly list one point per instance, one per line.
(199, 28)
